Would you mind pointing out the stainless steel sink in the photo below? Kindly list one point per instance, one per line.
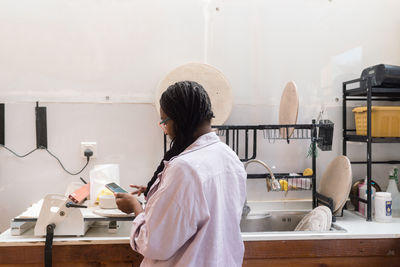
(276, 221)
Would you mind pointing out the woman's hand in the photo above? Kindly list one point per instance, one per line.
(128, 203)
(140, 189)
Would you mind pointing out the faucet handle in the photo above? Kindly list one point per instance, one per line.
(275, 185)
(246, 210)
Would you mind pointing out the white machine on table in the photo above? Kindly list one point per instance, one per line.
(57, 210)
(69, 219)
(58, 215)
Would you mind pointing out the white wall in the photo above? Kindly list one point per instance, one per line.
(70, 55)
(73, 50)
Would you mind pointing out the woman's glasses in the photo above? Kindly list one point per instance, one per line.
(163, 124)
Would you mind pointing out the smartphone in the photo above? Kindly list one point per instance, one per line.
(115, 188)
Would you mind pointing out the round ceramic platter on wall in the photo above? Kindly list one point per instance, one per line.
(213, 81)
(288, 108)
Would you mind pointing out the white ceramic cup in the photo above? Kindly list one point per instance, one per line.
(107, 202)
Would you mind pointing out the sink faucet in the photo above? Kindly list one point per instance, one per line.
(275, 186)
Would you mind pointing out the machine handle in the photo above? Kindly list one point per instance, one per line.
(74, 205)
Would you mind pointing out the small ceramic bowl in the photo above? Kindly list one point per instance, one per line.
(107, 202)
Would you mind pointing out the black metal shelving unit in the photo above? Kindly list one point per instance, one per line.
(364, 91)
(320, 134)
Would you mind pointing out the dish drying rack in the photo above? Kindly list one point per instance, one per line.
(320, 134)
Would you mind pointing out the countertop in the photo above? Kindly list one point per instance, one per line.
(356, 228)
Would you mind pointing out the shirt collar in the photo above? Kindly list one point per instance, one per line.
(203, 141)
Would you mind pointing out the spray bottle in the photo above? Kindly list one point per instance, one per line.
(392, 188)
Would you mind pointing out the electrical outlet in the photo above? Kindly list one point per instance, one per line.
(89, 145)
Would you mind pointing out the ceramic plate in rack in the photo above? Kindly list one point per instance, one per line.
(288, 108)
(319, 220)
(336, 182)
(213, 81)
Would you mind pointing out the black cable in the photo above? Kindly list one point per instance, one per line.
(54, 156)
(83, 180)
(19, 156)
(59, 161)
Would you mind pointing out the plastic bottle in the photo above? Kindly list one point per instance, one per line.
(392, 188)
(395, 173)
(361, 189)
(362, 193)
(372, 202)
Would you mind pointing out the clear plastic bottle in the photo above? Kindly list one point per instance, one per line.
(372, 202)
(396, 175)
(392, 188)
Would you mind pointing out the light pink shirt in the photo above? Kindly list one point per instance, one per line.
(192, 217)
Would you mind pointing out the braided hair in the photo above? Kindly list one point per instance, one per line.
(187, 104)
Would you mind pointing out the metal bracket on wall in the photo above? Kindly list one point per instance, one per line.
(41, 126)
(2, 125)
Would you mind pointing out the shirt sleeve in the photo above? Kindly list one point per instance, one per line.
(170, 218)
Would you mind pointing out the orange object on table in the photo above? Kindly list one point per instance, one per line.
(80, 194)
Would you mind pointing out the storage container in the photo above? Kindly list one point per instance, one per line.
(383, 207)
(385, 121)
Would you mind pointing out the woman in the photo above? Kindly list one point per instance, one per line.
(196, 195)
